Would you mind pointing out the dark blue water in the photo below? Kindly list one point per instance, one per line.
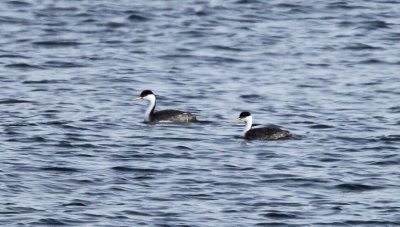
(75, 151)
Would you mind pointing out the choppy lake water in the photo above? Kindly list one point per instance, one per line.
(75, 150)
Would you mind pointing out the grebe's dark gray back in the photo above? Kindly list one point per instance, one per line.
(266, 133)
(164, 115)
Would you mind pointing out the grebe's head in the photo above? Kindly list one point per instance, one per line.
(244, 116)
(146, 94)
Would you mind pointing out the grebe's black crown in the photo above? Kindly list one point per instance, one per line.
(244, 114)
(146, 93)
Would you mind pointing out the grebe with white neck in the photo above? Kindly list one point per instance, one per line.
(164, 115)
(267, 133)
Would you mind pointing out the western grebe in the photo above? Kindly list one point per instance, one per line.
(164, 115)
(267, 133)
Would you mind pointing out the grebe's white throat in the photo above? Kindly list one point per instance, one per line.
(152, 104)
(249, 123)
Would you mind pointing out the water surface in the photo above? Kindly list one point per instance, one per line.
(75, 150)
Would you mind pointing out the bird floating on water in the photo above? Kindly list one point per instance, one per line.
(267, 133)
(163, 115)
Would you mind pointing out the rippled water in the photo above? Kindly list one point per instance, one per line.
(75, 150)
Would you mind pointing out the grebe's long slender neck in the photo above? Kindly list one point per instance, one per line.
(249, 123)
(151, 107)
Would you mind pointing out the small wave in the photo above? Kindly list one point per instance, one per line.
(9, 132)
(278, 175)
(295, 8)
(318, 65)
(91, 20)
(227, 48)
(386, 163)
(230, 211)
(390, 138)
(279, 215)
(373, 61)
(18, 210)
(205, 122)
(287, 5)
(144, 178)
(34, 139)
(56, 122)
(346, 24)
(172, 56)
(136, 213)
(115, 25)
(308, 86)
(76, 137)
(199, 196)
(375, 24)
(361, 46)
(19, 3)
(250, 96)
(218, 59)
(183, 148)
(50, 222)
(175, 138)
(330, 160)
(371, 223)
(138, 170)
(355, 139)
(173, 156)
(64, 144)
(38, 139)
(247, 2)
(394, 36)
(194, 34)
(13, 101)
(233, 184)
(13, 20)
(203, 12)
(66, 126)
(113, 41)
(138, 18)
(86, 145)
(12, 56)
(275, 224)
(61, 9)
(43, 81)
(321, 126)
(61, 64)
(23, 66)
(80, 204)
(56, 43)
(59, 169)
(139, 145)
(296, 181)
(342, 5)
(238, 168)
(394, 109)
(357, 187)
